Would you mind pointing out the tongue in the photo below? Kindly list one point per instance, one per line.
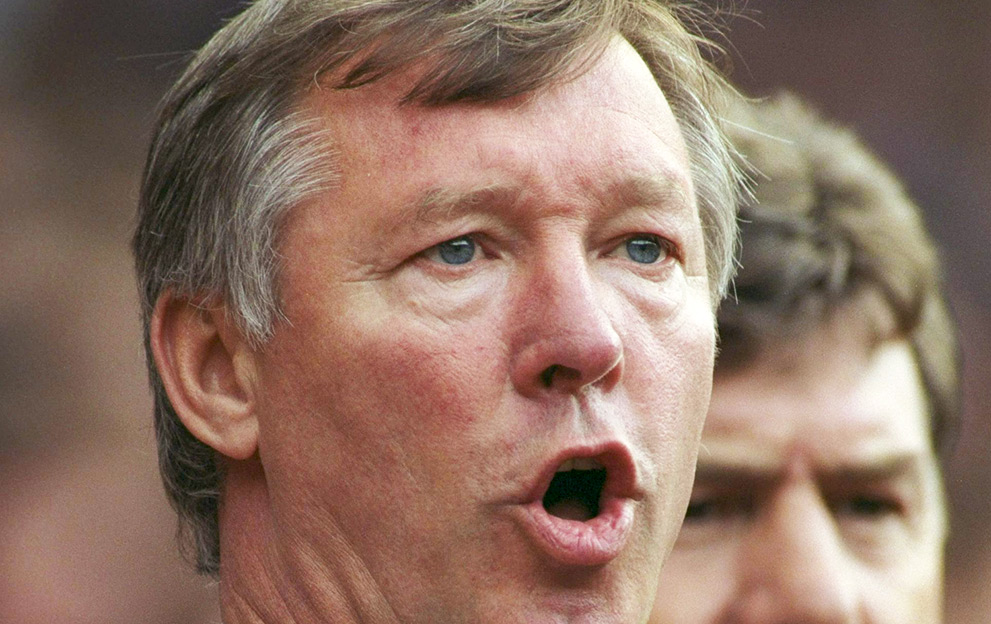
(570, 509)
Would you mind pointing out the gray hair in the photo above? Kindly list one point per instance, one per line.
(232, 154)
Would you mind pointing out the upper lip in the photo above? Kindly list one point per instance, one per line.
(622, 478)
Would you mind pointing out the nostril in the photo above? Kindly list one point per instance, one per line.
(557, 373)
(547, 377)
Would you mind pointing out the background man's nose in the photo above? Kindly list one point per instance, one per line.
(794, 568)
(565, 337)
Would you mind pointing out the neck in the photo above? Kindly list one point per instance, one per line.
(270, 577)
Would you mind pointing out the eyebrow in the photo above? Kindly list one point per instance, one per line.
(888, 468)
(644, 190)
(442, 204)
(885, 468)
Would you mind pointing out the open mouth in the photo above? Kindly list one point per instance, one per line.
(575, 492)
(582, 505)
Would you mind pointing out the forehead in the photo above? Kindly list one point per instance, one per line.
(833, 400)
(374, 130)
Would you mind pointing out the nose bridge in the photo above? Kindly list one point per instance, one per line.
(565, 337)
(795, 568)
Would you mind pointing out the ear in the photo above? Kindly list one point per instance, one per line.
(209, 372)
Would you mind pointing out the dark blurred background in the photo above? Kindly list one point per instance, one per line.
(85, 533)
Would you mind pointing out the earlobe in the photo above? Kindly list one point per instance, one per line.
(208, 370)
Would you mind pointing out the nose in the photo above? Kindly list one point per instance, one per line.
(565, 340)
(793, 567)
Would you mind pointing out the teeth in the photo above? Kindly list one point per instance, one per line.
(579, 463)
(587, 463)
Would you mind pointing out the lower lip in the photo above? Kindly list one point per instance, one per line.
(593, 542)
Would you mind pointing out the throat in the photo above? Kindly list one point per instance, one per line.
(575, 494)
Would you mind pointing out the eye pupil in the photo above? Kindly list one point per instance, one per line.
(699, 511)
(868, 507)
(643, 250)
(457, 250)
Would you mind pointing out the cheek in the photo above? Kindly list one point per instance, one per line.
(435, 381)
(674, 376)
(695, 585)
(674, 365)
(395, 416)
(914, 583)
(377, 386)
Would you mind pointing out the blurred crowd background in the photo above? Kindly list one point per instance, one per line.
(85, 533)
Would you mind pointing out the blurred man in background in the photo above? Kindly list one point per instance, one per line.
(818, 495)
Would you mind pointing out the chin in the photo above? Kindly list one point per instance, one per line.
(604, 595)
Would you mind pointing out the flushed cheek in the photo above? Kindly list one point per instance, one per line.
(399, 418)
(420, 391)
(443, 384)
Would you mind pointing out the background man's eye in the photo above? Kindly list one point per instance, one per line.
(700, 510)
(868, 507)
(721, 508)
(645, 249)
(459, 250)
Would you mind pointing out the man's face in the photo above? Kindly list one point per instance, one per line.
(487, 399)
(817, 497)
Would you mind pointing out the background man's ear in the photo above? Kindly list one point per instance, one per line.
(208, 370)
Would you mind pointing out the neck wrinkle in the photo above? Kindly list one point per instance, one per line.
(272, 577)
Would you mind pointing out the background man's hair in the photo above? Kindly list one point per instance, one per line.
(232, 152)
(831, 229)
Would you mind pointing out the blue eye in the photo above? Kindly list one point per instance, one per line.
(459, 250)
(644, 249)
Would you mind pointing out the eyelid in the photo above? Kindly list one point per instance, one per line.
(433, 252)
(485, 250)
(720, 504)
(872, 505)
(670, 249)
